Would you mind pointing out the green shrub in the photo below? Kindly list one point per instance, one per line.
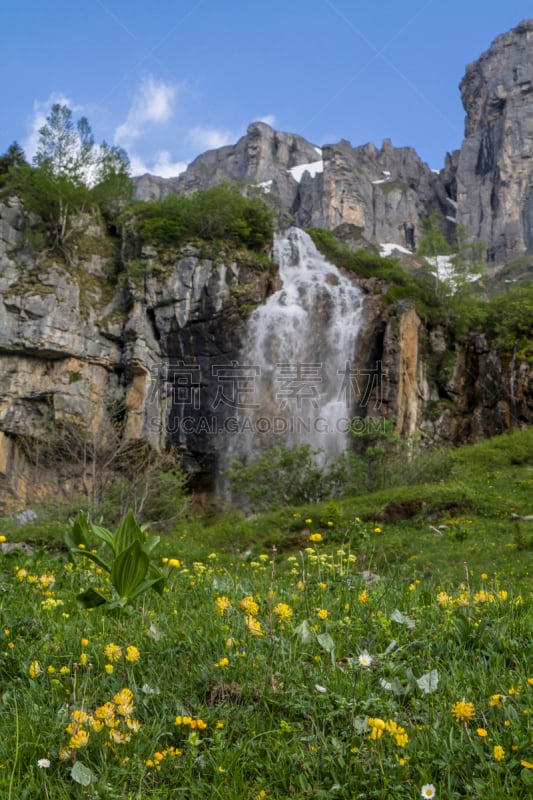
(283, 476)
(222, 212)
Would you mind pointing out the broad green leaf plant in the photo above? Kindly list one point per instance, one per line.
(129, 562)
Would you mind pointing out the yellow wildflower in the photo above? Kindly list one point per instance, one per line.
(254, 626)
(132, 653)
(78, 715)
(283, 611)
(498, 753)
(174, 562)
(79, 739)
(35, 669)
(124, 702)
(249, 605)
(316, 537)
(113, 652)
(322, 613)
(223, 603)
(463, 711)
(106, 713)
(496, 700)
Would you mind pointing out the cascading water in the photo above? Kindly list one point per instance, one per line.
(299, 351)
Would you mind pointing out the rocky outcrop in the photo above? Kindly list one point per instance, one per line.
(494, 171)
(384, 192)
(439, 391)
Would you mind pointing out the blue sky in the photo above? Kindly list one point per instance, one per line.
(169, 79)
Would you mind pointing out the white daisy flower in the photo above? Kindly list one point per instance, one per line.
(365, 659)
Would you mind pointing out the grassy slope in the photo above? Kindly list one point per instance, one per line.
(427, 528)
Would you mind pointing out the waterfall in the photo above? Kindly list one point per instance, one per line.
(298, 354)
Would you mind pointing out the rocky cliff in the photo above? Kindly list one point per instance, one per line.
(108, 354)
(487, 186)
(100, 355)
(494, 169)
(385, 192)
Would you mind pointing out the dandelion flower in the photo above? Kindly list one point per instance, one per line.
(322, 613)
(174, 562)
(463, 711)
(109, 668)
(365, 659)
(377, 529)
(43, 763)
(482, 732)
(428, 790)
(316, 537)
(308, 521)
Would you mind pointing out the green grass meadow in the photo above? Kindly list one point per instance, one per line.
(376, 646)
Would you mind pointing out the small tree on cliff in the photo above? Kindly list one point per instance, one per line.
(69, 177)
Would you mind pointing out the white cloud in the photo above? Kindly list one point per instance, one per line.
(41, 110)
(210, 138)
(269, 119)
(161, 164)
(153, 104)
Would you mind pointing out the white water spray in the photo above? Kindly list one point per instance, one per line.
(301, 342)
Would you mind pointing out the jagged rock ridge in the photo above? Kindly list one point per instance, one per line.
(487, 186)
(384, 192)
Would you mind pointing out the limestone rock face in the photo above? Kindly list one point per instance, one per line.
(463, 395)
(494, 170)
(384, 192)
(87, 354)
